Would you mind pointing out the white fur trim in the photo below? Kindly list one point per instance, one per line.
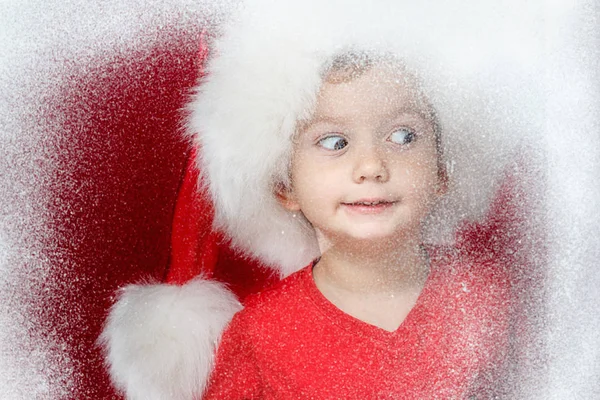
(480, 66)
(160, 339)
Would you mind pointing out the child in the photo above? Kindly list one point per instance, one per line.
(329, 157)
(376, 315)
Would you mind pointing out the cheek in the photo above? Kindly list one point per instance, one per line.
(315, 186)
(416, 165)
(310, 182)
(419, 175)
(304, 179)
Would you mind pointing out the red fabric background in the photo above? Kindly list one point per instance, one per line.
(120, 160)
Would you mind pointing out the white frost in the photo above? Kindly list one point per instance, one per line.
(42, 40)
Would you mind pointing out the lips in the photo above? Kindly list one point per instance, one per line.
(369, 206)
(369, 203)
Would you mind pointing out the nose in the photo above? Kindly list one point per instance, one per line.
(370, 164)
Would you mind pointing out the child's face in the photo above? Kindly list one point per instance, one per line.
(366, 165)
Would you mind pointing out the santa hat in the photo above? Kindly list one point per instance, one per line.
(477, 66)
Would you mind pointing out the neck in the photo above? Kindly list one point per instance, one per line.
(368, 267)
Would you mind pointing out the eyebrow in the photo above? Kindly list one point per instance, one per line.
(306, 124)
(427, 115)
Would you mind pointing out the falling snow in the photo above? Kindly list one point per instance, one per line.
(47, 45)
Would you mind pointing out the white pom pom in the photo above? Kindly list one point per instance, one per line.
(160, 339)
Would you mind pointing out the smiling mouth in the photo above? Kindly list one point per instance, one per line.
(369, 206)
(369, 203)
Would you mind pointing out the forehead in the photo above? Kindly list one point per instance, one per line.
(379, 92)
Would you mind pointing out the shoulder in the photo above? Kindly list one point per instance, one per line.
(483, 270)
(475, 296)
(270, 308)
(251, 344)
(484, 281)
(278, 297)
(281, 291)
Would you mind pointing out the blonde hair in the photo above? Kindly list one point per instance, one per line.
(347, 66)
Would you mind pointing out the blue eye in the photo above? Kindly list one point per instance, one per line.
(403, 136)
(333, 142)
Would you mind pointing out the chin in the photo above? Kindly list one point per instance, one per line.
(387, 231)
(378, 234)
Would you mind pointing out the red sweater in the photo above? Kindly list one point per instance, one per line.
(290, 342)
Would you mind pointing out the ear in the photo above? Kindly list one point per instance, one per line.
(285, 197)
